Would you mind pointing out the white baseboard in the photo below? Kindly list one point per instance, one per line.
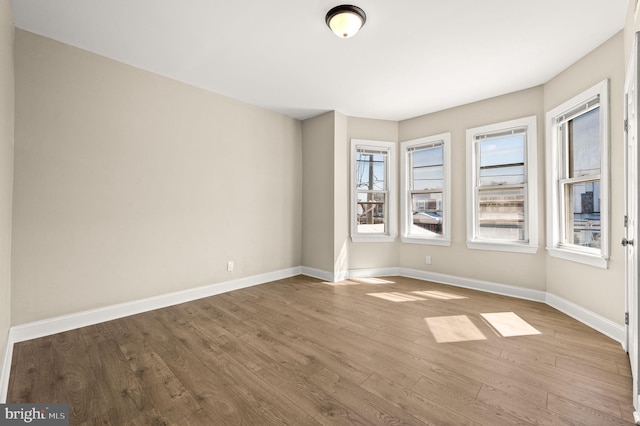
(6, 369)
(318, 273)
(33, 330)
(374, 272)
(607, 327)
(60, 324)
(486, 286)
(587, 317)
(341, 276)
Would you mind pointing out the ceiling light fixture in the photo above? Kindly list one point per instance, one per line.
(345, 20)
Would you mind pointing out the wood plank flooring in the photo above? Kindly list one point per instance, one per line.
(303, 352)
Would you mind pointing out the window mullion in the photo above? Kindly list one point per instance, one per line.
(580, 179)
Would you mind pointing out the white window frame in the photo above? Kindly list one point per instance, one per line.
(406, 219)
(555, 203)
(391, 229)
(530, 245)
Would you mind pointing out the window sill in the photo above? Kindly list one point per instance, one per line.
(427, 241)
(373, 238)
(579, 257)
(507, 247)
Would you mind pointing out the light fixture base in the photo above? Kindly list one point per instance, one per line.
(345, 20)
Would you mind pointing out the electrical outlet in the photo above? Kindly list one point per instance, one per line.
(427, 260)
(230, 265)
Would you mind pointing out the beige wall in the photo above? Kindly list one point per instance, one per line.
(318, 136)
(341, 200)
(325, 195)
(6, 167)
(129, 185)
(525, 270)
(599, 290)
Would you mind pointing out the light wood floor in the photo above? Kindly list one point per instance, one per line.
(303, 352)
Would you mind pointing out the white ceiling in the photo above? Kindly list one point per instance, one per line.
(411, 58)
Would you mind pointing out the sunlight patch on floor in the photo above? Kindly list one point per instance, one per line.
(442, 295)
(509, 324)
(396, 297)
(457, 328)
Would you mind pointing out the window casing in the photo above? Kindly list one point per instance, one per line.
(425, 188)
(501, 186)
(373, 205)
(578, 178)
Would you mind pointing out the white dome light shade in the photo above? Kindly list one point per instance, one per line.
(345, 20)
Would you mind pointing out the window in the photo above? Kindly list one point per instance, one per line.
(425, 206)
(372, 197)
(577, 178)
(501, 186)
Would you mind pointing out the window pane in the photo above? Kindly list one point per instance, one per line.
(427, 168)
(426, 213)
(371, 212)
(502, 160)
(501, 214)
(582, 216)
(584, 144)
(370, 171)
